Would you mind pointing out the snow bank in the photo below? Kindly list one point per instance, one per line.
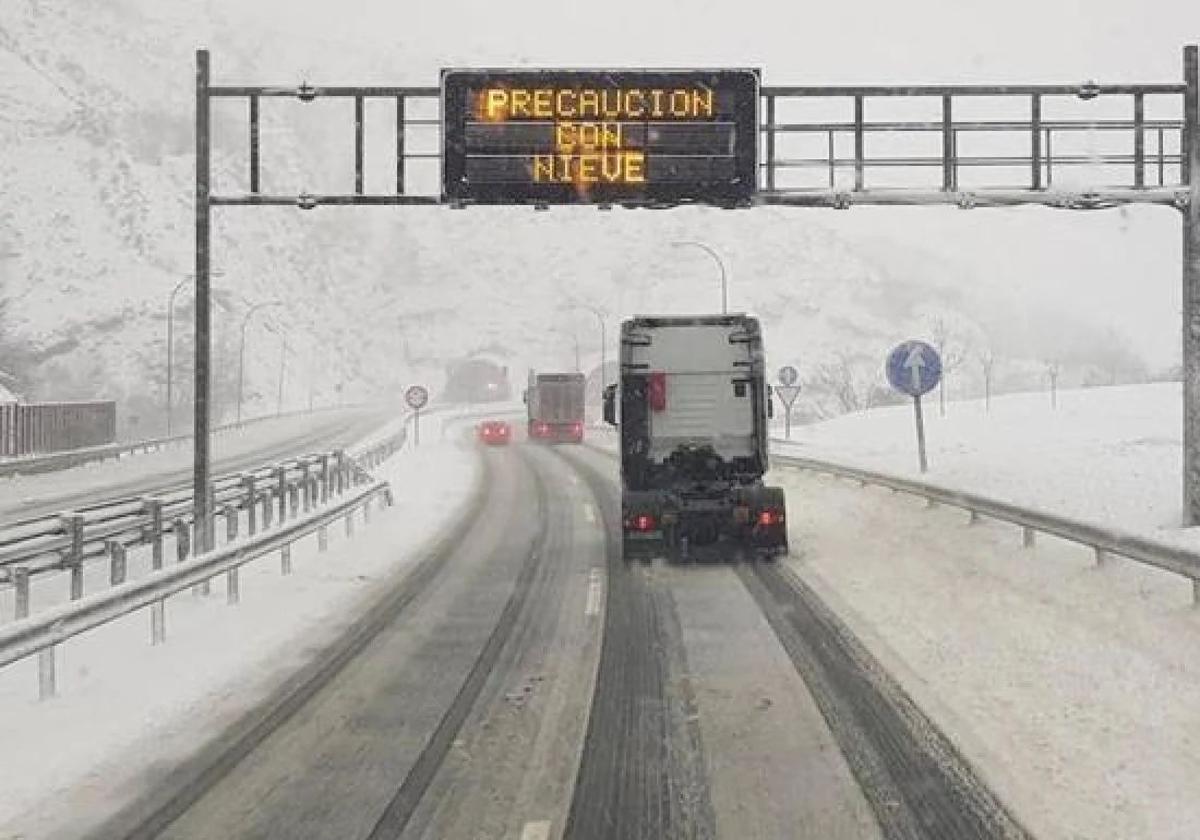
(1107, 455)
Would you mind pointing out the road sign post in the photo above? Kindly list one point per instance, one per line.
(788, 390)
(914, 368)
(416, 397)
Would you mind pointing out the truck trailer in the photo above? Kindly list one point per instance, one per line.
(693, 410)
(554, 404)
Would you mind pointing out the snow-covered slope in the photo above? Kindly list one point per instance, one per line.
(96, 228)
(1108, 455)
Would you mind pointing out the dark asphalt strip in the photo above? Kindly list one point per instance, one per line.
(185, 785)
(917, 783)
(403, 804)
(642, 775)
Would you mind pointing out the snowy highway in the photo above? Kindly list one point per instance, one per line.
(522, 681)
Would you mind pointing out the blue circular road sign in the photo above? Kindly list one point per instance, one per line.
(914, 368)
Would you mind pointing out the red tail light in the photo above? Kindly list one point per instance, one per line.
(577, 427)
(642, 522)
(767, 518)
(656, 391)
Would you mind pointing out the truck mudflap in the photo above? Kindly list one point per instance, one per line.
(644, 535)
(762, 514)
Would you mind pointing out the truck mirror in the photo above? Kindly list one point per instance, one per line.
(525, 396)
(610, 405)
(770, 403)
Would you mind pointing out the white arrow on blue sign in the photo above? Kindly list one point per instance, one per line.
(914, 368)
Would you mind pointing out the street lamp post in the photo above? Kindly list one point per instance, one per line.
(720, 264)
(171, 349)
(603, 342)
(283, 350)
(171, 346)
(242, 349)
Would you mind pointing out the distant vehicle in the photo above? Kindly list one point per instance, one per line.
(494, 432)
(476, 380)
(554, 404)
(693, 426)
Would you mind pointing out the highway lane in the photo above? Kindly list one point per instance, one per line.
(27, 497)
(530, 684)
(460, 711)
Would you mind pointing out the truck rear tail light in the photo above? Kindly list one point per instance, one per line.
(641, 522)
(656, 391)
(767, 518)
(577, 428)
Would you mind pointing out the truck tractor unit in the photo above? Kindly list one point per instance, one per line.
(554, 403)
(693, 410)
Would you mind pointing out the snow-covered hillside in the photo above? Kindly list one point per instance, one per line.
(96, 228)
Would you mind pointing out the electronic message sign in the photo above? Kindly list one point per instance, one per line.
(599, 137)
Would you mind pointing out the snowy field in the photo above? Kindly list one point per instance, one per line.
(1107, 455)
(160, 703)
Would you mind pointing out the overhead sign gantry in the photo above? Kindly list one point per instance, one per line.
(662, 138)
(571, 136)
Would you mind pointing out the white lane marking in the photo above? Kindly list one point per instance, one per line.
(595, 593)
(539, 830)
(589, 514)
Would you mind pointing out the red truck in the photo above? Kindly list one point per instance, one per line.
(554, 403)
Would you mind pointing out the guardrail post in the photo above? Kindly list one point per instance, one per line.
(1196, 593)
(325, 478)
(21, 592)
(183, 539)
(322, 538)
(367, 511)
(282, 489)
(1101, 556)
(158, 622)
(294, 500)
(931, 503)
(268, 506)
(341, 471)
(73, 524)
(231, 522)
(285, 559)
(388, 501)
(350, 523)
(251, 511)
(1028, 537)
(46, 676)
(153, 508)
(306, 487)
(974, 520)
(117, 565)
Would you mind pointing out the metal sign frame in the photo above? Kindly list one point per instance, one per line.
(739, 86)
(1165, 172)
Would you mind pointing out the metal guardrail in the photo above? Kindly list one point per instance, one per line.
(41, 633)
(65, 541)
(1103, 541)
